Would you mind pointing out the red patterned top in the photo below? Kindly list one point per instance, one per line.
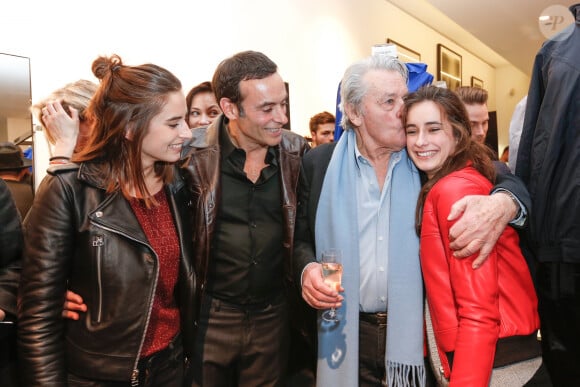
(157, 223)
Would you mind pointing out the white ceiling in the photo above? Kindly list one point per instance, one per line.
(498, 31)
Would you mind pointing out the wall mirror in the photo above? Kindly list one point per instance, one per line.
(15, 116)
(15, 100)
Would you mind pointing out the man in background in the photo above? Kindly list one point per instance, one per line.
(322, 128)
(475, 101)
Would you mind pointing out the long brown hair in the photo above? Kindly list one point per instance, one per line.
(466, 150)
(127, 99)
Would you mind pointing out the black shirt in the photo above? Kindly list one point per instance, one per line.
(246, 256)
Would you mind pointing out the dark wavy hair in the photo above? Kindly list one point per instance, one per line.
(466, 150)
(243, 66)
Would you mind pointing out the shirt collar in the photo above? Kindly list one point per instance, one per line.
(360, 159)
(228, 147)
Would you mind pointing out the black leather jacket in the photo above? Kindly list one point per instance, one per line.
(201, 166)
(79, 237)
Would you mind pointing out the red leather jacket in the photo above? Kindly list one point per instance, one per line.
(471, 309)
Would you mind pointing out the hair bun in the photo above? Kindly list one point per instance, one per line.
(104, 65)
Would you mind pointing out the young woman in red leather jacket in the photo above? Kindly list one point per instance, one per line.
(478, 315)
(113, 228)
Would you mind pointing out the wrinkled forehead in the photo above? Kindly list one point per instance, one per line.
(383, 83)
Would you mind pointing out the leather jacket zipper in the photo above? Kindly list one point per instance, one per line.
(98, 242)
(135, 372)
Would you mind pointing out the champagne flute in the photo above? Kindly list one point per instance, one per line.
(332, 273)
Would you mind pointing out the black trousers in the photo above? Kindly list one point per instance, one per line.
(372, 348)
(8, 356)
(241, 345)
(558, 288)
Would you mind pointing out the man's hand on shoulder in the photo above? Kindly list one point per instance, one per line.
(481, 220)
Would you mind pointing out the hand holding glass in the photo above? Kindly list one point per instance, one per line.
(332, 273)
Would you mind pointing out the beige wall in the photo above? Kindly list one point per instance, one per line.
(512, 87)
(311, 41)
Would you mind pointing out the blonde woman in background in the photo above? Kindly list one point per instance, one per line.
(62, 116)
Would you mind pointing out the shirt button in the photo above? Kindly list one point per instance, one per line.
(381, 238)
(381, 269)
(383, 299)
(99, 214)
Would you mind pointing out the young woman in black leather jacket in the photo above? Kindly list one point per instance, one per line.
(112, 227)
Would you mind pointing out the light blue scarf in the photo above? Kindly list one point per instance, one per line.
(336, 227)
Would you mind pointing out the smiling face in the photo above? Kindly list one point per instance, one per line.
(204, 109)
(166, 133)
(430, 139)
(258, 121)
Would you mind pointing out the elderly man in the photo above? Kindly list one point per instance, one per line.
(359, 195)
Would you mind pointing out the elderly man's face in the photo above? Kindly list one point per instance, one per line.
(379, 120)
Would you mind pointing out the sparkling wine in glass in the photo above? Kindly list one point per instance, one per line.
(332, 273)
